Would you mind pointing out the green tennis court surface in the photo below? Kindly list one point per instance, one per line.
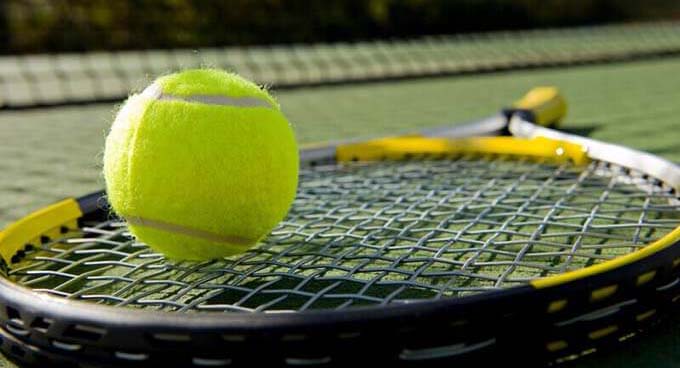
(55, 153)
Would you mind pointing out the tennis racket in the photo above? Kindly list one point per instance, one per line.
(455, 245)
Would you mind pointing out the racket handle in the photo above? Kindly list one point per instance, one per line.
(543, 106)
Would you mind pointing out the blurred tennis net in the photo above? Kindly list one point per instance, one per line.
(30, 81)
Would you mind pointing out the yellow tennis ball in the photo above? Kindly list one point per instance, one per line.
(202, 164)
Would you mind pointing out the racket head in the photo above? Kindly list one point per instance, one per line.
(416, 319)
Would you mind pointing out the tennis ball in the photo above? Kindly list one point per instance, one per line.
(202, 164)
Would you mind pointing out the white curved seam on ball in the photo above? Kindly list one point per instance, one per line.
(183, 230)
(218, 100)
(155, 92)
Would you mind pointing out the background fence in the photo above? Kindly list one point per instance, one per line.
(30, 26)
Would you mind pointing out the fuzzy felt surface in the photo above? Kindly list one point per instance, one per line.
(200, 180)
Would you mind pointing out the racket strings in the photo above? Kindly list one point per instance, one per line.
(379, 233)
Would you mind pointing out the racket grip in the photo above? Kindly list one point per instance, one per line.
(544, 106)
